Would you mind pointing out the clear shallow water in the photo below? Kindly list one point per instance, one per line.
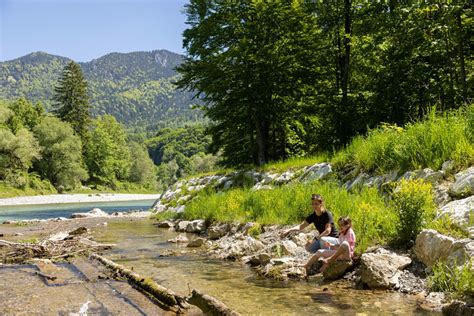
(139, 245)
(45, 211)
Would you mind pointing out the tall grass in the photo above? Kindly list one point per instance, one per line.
(457, 281)
(295, 162)
(373, 222)
(418, 145)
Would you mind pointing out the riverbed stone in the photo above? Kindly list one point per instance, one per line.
(181, 226)
(464, 184)
(431, 246)
(95, 212)
(217, 231)
(302, 239)
(197, 242)
(381, 269)
(337, 269)
(164, 224)
(458, 308)
(460, 212)
(237, 247)
(181, 238)
(197, 226)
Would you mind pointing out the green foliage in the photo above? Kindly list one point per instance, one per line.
(108, 155)
(165, 216)
(252, 64)
(24, 115)
(412, 200)
(61, 161)
(136, 88)
(373, 222)
(17, 153)
(72, 99)
(255, 230)
(451, 279)
(418, 145)
(142, 170)
(180, 152)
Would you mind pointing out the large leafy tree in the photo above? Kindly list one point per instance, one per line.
(108, 155)
(61, 161)
(252, 64)
(72, 99)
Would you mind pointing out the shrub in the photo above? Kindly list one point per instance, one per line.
(457, 281)
(413, 203)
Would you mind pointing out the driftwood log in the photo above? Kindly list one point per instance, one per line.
(162, 294)
(210, 305)
(58, 246)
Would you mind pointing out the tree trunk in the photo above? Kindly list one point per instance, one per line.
(345, 67)
(461, 58)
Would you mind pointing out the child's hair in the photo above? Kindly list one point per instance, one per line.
(344, 220)
(319, 198)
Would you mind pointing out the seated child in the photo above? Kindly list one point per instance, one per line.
(335, 249)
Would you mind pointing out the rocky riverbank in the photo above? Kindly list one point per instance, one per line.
(379, 268)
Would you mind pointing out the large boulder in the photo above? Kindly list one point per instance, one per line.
(464, 184)
(432, 246)
(382, 269)
(460, 212)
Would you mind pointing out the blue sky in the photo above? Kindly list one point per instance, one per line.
(87, 29)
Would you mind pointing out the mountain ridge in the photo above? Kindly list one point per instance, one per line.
(137, 87)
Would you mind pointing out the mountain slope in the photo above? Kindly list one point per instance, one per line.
(136, 88)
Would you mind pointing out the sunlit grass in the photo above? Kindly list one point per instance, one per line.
(373, 222)
(424, 144)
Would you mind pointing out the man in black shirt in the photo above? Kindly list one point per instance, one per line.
(322, 220)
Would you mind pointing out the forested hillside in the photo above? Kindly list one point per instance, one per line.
(136, 88)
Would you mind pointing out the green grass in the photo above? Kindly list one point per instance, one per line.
(373, 221)
(295, 163)
(429, 143)
(458, 282)
(7, 191)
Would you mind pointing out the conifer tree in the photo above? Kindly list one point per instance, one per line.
(72, 99)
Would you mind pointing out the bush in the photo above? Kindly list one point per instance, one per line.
(413, 203)
(457, 281)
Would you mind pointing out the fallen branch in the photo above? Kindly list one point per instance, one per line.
(210, 305)
(164, 295)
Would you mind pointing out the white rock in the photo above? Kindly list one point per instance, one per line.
(316, 172)
(432, 246)
(381, 269)
(181, 238)
(181, 226)
(460, 212)
(464, 185)
(196, 226)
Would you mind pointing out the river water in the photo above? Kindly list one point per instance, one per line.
(145, 248)
(45, 211)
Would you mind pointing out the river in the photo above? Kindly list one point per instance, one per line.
(144, 247)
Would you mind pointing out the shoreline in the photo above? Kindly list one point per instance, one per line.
(75, 198)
